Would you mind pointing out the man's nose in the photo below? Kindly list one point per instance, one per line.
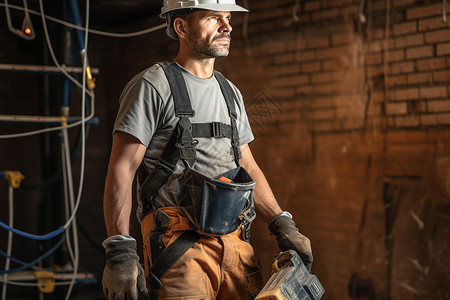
(225, 27)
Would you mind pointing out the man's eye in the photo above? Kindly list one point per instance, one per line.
(213, 19)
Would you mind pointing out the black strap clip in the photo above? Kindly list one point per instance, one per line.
(217, 129)
(187, 152)
(165, 166)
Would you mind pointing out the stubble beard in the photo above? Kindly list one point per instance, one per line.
(210, 50)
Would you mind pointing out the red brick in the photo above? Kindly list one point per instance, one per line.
(431, 24)
(443, 49)
(290, 69)
(431, 64)
(342, 38)
(433, 92)
(397, 108)
(338, 52)
(313, 5)
(282, 93)
(331, 64)
(306, 89)
(373, 58)
(305, 56)
(326, 126)
(418, 106)
(317, 42)
(406, 137)
(335, 3)
(284, 58)
(419, 52)
(405, 28)
(377, 5)
(323, 114)
(376, 46)
(424, 11)
(416, 78)
(442, 76)
(396, 55)
(289, 81)
(406, 94)
(322, 102)
(377, 97)
(396, 80)
(443, 119)
(310, 67)
(377, 33)
(403, 2)
(409, 40)
(325, 14)
(438, 106)
(374, 110)
(321, 77)
(407, 121)
(428, 120)
(373, 71)
(437, 36)
(403, 67)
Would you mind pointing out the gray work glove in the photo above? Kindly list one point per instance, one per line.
(123, 276)
(289, 238)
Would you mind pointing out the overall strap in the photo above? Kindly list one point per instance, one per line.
(168, 258)
(229, 96)
(183, 110)
(182, 143)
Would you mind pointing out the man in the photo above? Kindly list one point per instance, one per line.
(217, 262)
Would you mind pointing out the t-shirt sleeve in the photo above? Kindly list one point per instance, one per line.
(139, 110)
(245, 131)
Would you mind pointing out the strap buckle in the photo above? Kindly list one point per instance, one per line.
(165, 166)
(187, 152)
(249, 214)
(216, 129)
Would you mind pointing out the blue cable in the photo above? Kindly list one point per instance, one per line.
(33, 236)
(30, 264)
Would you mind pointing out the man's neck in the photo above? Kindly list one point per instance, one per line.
(202, 68)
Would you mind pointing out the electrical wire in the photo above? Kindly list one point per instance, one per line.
(92, 31)
(43, 237)
(444, 11)
(26, 22)
(32, 263)
(69, 191)
(295, 11)
(10, 237)
(74, 206)
(58, 65)
(82, 122)
(83, 144)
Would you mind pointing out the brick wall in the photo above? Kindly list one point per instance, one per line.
(357, 123)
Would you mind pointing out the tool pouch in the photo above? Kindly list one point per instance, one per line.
(216, 207)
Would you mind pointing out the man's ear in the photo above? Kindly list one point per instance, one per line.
(180, 26)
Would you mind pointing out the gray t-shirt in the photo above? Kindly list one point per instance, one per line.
(147, 113)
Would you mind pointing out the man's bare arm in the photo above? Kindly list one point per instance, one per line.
(265, 203)
(126, 154)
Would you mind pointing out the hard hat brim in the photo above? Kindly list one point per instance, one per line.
(213, 7)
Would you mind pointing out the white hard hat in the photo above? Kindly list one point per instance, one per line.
(216, 5)
(174, 5)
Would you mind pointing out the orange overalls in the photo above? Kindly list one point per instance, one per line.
(216, 267)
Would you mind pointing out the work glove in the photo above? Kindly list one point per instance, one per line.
(289, 238)
(123, 276)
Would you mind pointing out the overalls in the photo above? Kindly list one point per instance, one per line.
(199, 249)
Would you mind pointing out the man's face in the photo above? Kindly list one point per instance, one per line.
(209, 33)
